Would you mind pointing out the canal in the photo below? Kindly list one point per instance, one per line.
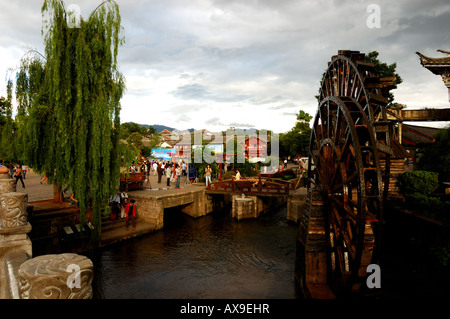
(218, 257)
(214, 256)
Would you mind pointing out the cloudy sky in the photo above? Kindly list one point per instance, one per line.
(216, 64)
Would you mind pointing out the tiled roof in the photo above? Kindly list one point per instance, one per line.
(417, 135)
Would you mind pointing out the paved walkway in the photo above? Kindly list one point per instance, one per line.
(41, 192)
(35, 190)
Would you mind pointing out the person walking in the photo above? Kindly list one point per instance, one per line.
(178, 173)
(44, 178)
(18, 174)
(168, 174)
(11, 171)
(208, 172)
(160, 171)
(155, 168)
(24, 171)
(183, 168)
(123, 203)
(130, 213)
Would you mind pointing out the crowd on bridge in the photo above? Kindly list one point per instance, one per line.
(173, 171)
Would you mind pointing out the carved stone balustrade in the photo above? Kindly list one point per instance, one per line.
(61, 276)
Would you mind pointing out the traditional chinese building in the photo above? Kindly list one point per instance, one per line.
(438, 66)
(255, 147)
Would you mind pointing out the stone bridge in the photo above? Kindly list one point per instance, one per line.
(150, 204)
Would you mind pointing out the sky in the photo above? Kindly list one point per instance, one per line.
(216, 64)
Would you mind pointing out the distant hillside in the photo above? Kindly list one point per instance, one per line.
(160, 128)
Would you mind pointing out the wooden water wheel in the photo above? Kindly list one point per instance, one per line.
(349, 136)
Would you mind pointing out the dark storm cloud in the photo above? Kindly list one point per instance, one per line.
(252, 55)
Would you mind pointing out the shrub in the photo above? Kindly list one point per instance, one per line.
(423, 182)
(429, 206)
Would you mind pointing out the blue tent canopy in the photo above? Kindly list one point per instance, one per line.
(163, 153)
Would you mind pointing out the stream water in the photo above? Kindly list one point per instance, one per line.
(214, 256)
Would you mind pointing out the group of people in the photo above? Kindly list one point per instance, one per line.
(17, 172)
(123, 209)
(172, 171)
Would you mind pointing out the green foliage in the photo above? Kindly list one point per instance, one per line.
(135, 140)
(8, 127)
(296, 141)
(442, 255)
(128, 128)
(436, 156)
(418, 182)
(430, 206)
(384, 70)
(69, 104)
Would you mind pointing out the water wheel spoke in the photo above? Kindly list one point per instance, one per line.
(344, 149)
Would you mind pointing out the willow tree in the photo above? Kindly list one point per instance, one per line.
(69, 107)
(7, 127)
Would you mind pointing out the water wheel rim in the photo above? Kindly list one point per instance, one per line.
(347, 194)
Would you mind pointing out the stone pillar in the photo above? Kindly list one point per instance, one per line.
(14, 228)
(201, 205)
(62, 276)
(296, 205)
(311, 248)
(244, 207)
(48, 276)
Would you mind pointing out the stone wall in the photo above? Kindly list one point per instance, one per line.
(150, 208)
(244, 207)
(296, 205)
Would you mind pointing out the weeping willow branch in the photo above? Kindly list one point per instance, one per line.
(70, 104)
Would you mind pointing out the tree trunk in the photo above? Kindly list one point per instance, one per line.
(57, 194)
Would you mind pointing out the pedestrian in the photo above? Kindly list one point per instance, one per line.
(18, 174)
(183, 168)
(123, 203)
(133, 168)
(11, 171)
(237, 177)
(178, 175)
(168, 174)
(115, 206)
(160, 172)
(155, 168)
(44, 178)
(130, 213)
(24, 171)
(208, 172)
(285, 163)
(73, 200)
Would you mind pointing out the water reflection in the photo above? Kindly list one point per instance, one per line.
(213, 256)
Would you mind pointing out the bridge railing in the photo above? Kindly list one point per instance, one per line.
(257, 185)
